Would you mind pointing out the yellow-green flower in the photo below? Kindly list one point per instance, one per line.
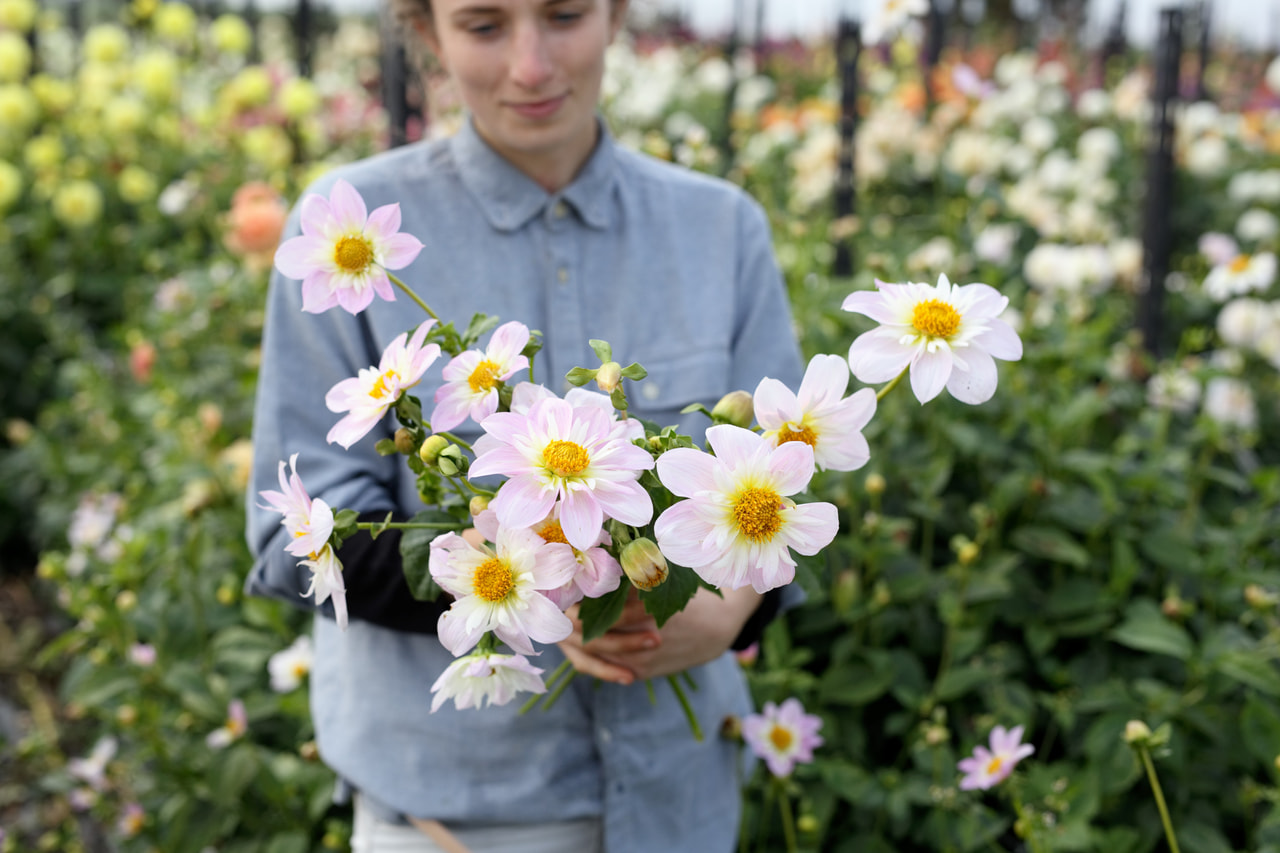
(18, 15)
(156, 72)
(136, 185)
(77, 204)
(44, 153)
(106, 43)
(18, 108)
(299, 98)
(55, 95)
(10, 184)
(15, 57)
(250, 88)
(124, 116)
(175, 22)
(96, 81)
(268, 146)
(231, 35)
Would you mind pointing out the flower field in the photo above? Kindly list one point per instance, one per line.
(1037, 612)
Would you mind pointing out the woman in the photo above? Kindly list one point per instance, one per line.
(532, 212)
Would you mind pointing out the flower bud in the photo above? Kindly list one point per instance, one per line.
(731, 729)
(430, 449)
(404, 441)
(479, 504)
(1259, 598)
(644, 564)
(126, 600)
(967, 553)
(126, 715)
(608, 376)
(807, 824)
(875, 484)
(1136, 732)
(735, 408)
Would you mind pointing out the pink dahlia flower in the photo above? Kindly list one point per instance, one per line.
(480, 679)
(987, 768)
(820, 415)
(368, 396)
(471, 379)
(344, 252)
(783, 736)
(308, 521)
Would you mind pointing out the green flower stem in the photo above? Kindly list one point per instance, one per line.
(406, 525)
(464, 445)
(560, 688)
(788, 819)
(880, 395)
(1033, 837)
(1159, 794)
(688, 709)
(764, 818)
(555, 676)
(400, 284)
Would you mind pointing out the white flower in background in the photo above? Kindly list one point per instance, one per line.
(1039, 134)
(1257, 225)
(1218, 248)
(995, 243)
(93, 520)
(814, 164)
(1244, 323)
(1208, 156)
(1174, 389)
(933, 257)
(1255, 186)
(177, 196)
(1093, 104)
(289, 666)
(713, 75)
(1012, 68)
(753, 93)
(1227, 361)
(1052, 73)
(1199, 118)
(92, 770)
(1126, 258)
(486, 679)
(889, 17)
(235, 727)
(1244, 274)
(1098, 146)
(1229, 402)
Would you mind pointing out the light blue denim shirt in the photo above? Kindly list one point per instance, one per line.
(676, 271)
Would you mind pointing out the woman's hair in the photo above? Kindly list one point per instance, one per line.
(409, 11)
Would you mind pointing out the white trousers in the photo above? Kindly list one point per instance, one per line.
(372, 835)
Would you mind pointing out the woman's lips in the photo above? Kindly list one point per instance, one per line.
(538, 109)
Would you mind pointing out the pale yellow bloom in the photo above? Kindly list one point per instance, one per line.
(175, 22)
(15, 57)
(96, 81)
(106, 43)
(10, 184)
(250, 88)
(231, 35)
(267, 145)
(55, 95)
(156, 74)
(79, 167)
(18, 108)
(136, 185)
(44, 153)
(18, 15)
(299, 98)
(124, 116)
(77, 204)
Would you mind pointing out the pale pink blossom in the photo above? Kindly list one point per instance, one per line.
(344, 252)
(471, 379)
(142, 654)
(947, 335)
(987, 768)
(596, 571)
(368, 396)
(819, 415)
(326, 582)
(783, 736)
(739, 525)
(486, 679)
(92, 769)
(235, 727)
(499, 589)
(576, 455)
(289, 666)
(309, 522)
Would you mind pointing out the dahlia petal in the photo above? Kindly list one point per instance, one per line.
(451, 408)
(523, 502)
(317, 294)
(349, 210)
(811, 527)
(681, 532)
(380, 284)
(790, 466)
(452, 628)
(383, 222)
(295, 258)
(775, 404)
(977, 383)
(825, 381)
(929, 373)
(353, 300)
(502, 459)
(735, 445)
(352, 428)
(581, 519)
(870, 303)
(1000, 340)
(461, 366)
(555, 566)
(400, 250)
(544, 621)
(625, 500)
(507, 342)
(877, 356)
(315, 215)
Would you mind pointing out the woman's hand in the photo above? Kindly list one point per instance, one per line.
(635, 648)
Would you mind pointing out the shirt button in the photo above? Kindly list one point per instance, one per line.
(562, 274)
(650, 391)
(560, 211)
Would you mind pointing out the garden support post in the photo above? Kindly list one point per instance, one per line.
(302, 37)
(395, 79)
(1204, 17)
(848, 47)
(1156, 230)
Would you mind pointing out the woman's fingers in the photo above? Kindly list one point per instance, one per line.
(588, 664)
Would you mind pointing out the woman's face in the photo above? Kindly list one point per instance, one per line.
(529, 71)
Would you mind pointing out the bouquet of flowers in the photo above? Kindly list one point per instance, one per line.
(594, 504)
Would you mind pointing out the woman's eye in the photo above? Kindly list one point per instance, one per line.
(566, 17)
(482, 29)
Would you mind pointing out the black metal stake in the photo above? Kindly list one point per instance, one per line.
(395, 79)
(848, 48)
(1204, 17)
(302, 37)
(1157, 231)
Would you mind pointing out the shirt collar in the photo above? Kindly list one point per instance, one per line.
(510, 198)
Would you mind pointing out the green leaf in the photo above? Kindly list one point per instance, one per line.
(479, 325)
(1146, 629)
(599, 614)
(1050, 543)
(854, 684)
(634, 371)
(696, 407)
(294, 841)
(961, 680)
(602, 350)
(415, 553)
(235, 772)
(670, 597)
(1251, 669)
(580, 376)
(1260, 729)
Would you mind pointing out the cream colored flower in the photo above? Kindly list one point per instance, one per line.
(77, 204)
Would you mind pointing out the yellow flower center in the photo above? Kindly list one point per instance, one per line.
(1240, 264)
(994, 765)
(565, 458)
(484, 377)
(756, 512)
(935, 318)
(780, 738)
(493, 580)
(300, 669)
(379, 389)
(804, 433)
(553, 532)
(353, 254)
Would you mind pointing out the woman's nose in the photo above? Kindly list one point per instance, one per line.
(532, 66)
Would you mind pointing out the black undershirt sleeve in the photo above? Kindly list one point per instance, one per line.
(378, 593)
